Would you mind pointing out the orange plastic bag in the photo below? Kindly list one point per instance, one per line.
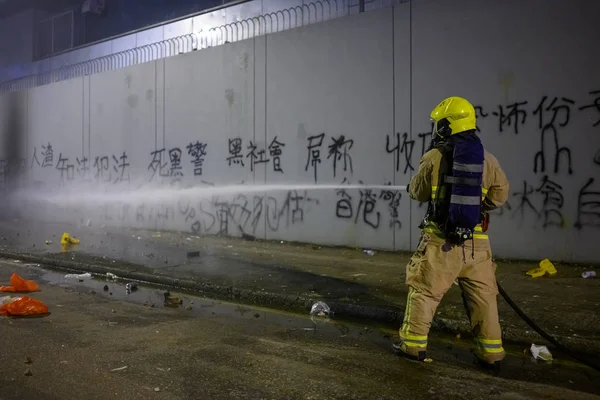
(24, 306)
(18, 284)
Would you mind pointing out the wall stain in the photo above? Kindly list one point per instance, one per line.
(243, 61)
(301, 132)
(132, 101)
(229, 96)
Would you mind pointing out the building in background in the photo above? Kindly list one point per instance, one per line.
(32, 30)
(38, 37)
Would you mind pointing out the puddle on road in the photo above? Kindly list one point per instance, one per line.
(443, 348)
(154, 296)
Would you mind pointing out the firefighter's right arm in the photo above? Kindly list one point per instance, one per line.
(420, 185)
(499, 188)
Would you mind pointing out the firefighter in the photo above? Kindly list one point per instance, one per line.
(442, 256)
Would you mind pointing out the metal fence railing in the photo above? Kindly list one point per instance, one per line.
(289, 18)
(122, 59)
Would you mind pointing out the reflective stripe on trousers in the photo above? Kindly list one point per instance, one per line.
(492, 346)
(405, 336)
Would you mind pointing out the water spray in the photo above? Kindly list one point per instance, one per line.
(108, 195)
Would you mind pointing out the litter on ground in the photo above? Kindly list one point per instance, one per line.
(68, 239)
(545, 268)
(20, 306)
(18, 284)
(111, 276)
(320, 309)
(79, 277)
(540, 353)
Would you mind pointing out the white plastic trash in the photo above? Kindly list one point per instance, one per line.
(540, 353)
(79, 277)
(320, 309)
(110, 275)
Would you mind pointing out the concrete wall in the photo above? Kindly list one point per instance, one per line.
(345, 101)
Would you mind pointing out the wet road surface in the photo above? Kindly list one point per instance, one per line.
(209, 349)
(291, 273)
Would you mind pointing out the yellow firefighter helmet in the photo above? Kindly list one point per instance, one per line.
(453, 115)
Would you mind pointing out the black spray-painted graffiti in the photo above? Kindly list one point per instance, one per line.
(221, 216)
(235, 152)
(546, 203)
(109, 169)
(553, 114)
(549, 127)
(365, 210)
(169, 164)
(198, 152)
(67, 171)
(255, 154)
(480, 114)
(588, 206)
(511, 115)
(544, 197)
(157, 165)
(405, 147)
(339, 150)
(338, 153)
(595, 105)
(275, 151)
(83, 168)
(47, 154)
(314, 153)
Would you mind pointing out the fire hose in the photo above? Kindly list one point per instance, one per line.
(542, 333)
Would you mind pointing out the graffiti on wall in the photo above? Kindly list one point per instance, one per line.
(552, 163)
(542, 195)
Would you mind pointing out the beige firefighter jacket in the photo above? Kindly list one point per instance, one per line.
(494, 190)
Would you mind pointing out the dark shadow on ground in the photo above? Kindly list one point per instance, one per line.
(225, 272)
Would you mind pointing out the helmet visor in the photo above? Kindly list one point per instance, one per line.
(434, 131)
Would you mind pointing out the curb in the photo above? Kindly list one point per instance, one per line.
(298, 303)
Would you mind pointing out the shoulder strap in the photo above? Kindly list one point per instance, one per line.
(442, 198)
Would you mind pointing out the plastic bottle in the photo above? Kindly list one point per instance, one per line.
(320, 309)
(589, 274)
(131, 287)
(369, 252)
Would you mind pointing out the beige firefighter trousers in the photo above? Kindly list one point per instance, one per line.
(431, 272)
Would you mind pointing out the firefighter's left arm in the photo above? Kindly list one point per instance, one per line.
(420, 185)
(499, 188)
